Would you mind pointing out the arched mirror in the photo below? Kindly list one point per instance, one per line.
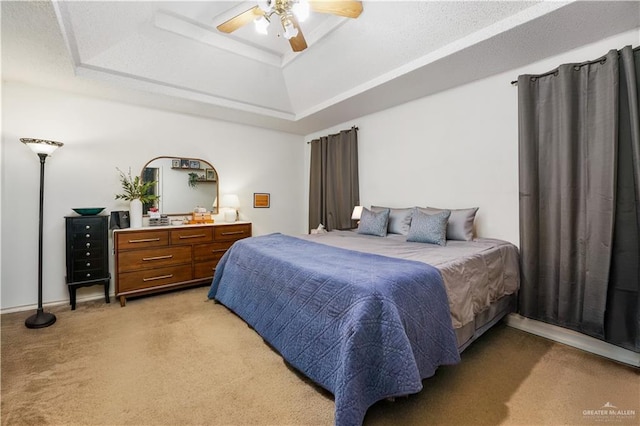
(182, 184)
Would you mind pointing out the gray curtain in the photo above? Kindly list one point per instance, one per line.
(334, 186)
(570, 121)
(622, 319)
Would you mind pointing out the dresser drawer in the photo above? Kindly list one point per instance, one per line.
(153, 258)
(142, 239)
(87, 253)
(211, 251)
(89, 274)
(86, 245)
(191, 236)
(79, 238)
(153, 277)
(203, 270)
(90, 225)
(232, 232)
(89, 263)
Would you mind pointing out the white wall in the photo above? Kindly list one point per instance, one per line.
(101, 135)
(457, 148)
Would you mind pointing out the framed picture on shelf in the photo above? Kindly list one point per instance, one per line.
(210, 174)
(261, 200)
(175, 163)
(194, 164)
(184, 163)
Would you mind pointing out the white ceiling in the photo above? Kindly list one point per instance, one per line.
(169, 55)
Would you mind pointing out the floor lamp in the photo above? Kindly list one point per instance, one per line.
(43, 148)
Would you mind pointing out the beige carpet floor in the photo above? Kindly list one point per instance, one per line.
(179, 359)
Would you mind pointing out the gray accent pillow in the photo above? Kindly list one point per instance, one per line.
(374, 223)
(399, 219)
(460, 225)
(429, 228)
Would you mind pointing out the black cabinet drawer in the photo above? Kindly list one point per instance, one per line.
(89, 263)
(88, 224)
(88, 253)
(86, 245)
(81, 238)
(89, 274)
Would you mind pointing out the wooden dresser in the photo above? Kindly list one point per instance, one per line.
(151, 260)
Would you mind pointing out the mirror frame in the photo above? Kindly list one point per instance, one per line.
(217, 197)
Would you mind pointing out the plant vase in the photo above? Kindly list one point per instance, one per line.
(135, 213)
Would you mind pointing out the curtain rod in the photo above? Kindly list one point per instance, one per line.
(352, 128)
(555, 71)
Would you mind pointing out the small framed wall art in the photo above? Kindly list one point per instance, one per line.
(210, 175)
(194, 164)
(261, 200)
(184, 163)
(175, 163)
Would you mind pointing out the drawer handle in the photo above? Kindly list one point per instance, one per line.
(233, 233)
(88, 264)
(160, 277)
(144, 240)
(88, 253)
(182, 237)
(88, 245)
(87, 227)
(146, 259)
(88, 236)
(218, 250)
(88, 275)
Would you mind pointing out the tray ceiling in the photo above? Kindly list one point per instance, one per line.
(170, 55)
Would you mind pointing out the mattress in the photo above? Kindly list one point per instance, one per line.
(476, 274)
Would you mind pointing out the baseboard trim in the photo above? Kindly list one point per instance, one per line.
(32, 307)
(573, 338)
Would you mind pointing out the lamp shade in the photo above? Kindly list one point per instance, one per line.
(230, 200)
(301, 10)
(357, 212)
(262, 25)
(41, 146)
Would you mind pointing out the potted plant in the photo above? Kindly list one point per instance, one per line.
(137, 193)
(193, 179)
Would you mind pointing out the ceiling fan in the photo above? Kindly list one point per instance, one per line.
(290, 13)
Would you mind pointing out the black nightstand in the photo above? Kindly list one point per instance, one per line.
(87, 254)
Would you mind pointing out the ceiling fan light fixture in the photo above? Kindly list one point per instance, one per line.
(262, 25)
(301, 9)
(265, 5)
(289, 30)
(291, 13)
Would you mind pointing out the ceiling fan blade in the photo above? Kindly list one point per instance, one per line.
(349, 9)
(298, 43)
(240, 20)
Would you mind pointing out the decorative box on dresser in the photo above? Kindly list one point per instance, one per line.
(154, 259)
(87, 254)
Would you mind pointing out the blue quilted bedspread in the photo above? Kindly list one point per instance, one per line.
(363, 326)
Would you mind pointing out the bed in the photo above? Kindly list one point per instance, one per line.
(481, 276)
(366, 317)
